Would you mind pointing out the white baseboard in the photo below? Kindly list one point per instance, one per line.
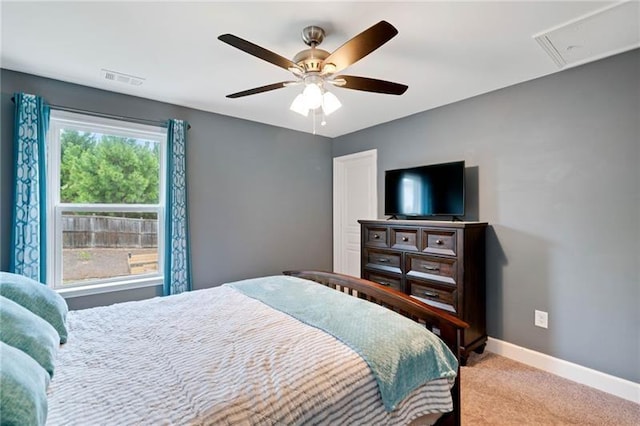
(607, 383)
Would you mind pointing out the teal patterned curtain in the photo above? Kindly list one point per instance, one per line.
(28, 235)
(177, 270)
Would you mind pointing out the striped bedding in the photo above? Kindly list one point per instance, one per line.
(217, 357)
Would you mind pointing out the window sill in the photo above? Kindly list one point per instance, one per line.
(109, 287)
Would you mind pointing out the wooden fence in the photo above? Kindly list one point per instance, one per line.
(108, 232)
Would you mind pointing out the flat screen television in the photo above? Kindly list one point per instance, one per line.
(433, 190)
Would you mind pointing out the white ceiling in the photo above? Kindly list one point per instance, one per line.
(444, 52)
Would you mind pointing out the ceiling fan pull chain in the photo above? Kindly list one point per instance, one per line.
(314, 121)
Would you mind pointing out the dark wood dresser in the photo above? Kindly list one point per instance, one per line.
(441, 263)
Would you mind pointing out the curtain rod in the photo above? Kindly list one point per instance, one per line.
(112, 116)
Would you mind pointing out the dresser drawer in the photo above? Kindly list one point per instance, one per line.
(383, 260)
(384, 279)
(404, 239)
(439, 269)
(438, 241)
(376, 236)
(440, 297)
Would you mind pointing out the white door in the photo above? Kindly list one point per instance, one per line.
(355, 196)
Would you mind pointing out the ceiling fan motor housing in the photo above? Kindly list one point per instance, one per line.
(310, 60)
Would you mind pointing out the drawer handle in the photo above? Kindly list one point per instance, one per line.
(439, 242)
(383, 260)
(376, 236)
(384, 283)
(405, 239)
(431, 294)
(430, 268)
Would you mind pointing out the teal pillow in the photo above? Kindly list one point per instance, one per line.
(23, 394)
(38, 298)
(24, 330)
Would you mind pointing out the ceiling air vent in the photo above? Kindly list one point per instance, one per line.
(603, 33)
(122, 78)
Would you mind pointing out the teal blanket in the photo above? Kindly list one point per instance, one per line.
(401, 354)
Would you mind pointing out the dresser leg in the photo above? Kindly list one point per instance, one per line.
(480, 349)
(463, 360)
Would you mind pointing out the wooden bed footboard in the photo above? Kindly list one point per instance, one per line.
(449, 328)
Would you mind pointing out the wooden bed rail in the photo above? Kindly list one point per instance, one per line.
(392, 299)
(449, 328)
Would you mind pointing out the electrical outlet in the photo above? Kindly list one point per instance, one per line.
(541, 319)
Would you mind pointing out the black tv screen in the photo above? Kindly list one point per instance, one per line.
(434, 190)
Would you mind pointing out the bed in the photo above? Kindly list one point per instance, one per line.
(250, 353)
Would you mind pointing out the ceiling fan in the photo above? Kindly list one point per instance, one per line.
(317, 68)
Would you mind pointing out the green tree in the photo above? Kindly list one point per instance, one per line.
(108, 169)
(73, 145)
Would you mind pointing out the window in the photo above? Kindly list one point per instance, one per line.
(106, 181)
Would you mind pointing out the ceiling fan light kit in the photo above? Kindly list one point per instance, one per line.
(316, 68)
(312, 100)
(315, 96)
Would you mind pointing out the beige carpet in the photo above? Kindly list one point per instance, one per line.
(499, 391)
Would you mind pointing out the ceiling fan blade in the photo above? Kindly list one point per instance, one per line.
(257, 90)
(372, 85)
(257, 51)
(361, 45)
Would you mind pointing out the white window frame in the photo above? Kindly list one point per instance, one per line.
(87, 123)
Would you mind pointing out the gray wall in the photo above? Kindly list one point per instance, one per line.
(259, 196)
(555, 166)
